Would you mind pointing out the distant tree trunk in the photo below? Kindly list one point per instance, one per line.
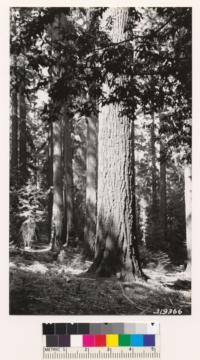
(50, 178)
(154, 211)
(116, 244)
(153, 157)
(57, 211)
(22, 137)
(143, 219)
(188, 213)
(91, 182)
(14, 115)
(68, 180)
(79, 177)
(14, 139)
(163, 197)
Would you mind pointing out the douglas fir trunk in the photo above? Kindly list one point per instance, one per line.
(57, 211)
(91, 183)
(91, 164)
(163, 196)
(116, 246)
(68, 179)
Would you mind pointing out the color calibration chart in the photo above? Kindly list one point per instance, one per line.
(136, 340)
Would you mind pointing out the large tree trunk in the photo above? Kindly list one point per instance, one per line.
(57, 211)
(68, 180)
(91, 183)
(57, 207)
(116, 245)
(163, 196)
(91, 165)
(188, 213)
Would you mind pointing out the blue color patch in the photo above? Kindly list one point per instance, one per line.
(137, 340)
(149, 340)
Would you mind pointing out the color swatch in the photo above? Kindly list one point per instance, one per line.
(101, 328)
(107, 340)
(100, 335)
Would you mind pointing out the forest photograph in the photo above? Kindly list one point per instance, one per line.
(100, 161)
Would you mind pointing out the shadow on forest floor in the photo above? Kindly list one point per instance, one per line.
(43, 286)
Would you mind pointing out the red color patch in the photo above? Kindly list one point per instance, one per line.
(100, 340)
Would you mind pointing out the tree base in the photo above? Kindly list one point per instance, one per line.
(107, 266)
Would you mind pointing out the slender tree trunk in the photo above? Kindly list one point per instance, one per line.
(50, 178)
(116, 244)
(163, 197)
(134, 251)
(22, 137)
(14, 114)
(14, 139)
(57, 211)
(154, 211)
(68, 179)
(153, 156)
(188, 213)
(91, 182)
(143, 219)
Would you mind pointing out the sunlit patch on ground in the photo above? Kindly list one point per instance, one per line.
(69, 270)
(35, 267)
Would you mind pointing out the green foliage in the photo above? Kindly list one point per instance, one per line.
(154, 259)
(31, 202)
(176, 216)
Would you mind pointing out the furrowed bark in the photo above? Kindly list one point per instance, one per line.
(116, 244)
(163, 196)
(91, 183)
(57, 211)
(68, 179)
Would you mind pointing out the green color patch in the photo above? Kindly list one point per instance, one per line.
(124, 340)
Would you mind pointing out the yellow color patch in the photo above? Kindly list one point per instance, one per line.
(112, 340)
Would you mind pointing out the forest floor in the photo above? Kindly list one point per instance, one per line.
(40, 285)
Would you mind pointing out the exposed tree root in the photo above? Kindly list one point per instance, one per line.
(127, 298)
